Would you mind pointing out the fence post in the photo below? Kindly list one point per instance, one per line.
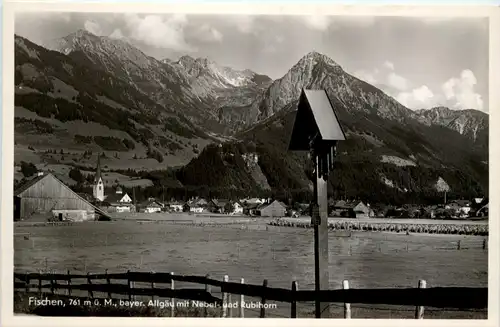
(293, 313)
(224, 298)
(419, 312)
(40, 283)
(208, 289)
(263, 301)
(27, 281)
(52, 283)
(129, 283)
(242, 302)
(152, 286)
(172, 300)
(109, 285)
(90, 286)
(347, 306)
(229, 306)
(69, 284)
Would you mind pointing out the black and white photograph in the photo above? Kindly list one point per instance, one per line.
(219, 165)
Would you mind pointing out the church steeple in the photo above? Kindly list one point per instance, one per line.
(98, 189)
(98, 170)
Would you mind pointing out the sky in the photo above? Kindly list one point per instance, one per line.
(421, 62)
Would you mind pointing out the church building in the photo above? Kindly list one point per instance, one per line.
(98, 190)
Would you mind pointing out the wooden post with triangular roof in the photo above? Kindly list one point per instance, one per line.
(317, 130)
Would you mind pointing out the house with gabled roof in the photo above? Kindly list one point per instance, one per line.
(197, 205)
(151, 206)
(218, 205)
(44, 194)
(351, 209)
(119, 201)
(274, 209)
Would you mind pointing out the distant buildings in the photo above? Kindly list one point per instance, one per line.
(119, 202)
(151, 206)
(218, 205)
(176, 206)
(252, 201)
(197, 206)
(353, 209)
(45, 197)
(483, 211)
(274, 209)
(460, 207)
(237, 208)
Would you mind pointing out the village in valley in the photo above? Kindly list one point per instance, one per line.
(45, 196)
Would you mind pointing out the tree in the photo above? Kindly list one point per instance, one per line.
(76, 175)
(28, 169)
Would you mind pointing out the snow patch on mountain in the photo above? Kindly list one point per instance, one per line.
(397, 161)
(387, 181)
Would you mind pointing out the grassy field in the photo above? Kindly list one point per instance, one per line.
(281, 255)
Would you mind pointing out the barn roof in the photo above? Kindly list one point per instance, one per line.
(252, 205)
(265, 205)
(347, 205)
(463, 203)
(30, 183)
(151, 204)
(177, 203)
(115, 197)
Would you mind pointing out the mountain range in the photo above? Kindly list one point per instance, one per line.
(88, 94)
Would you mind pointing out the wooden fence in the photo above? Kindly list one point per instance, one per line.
(461, 298)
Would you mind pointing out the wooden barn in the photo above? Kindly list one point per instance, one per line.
(355, 209)
(46, 195)
(274, 209)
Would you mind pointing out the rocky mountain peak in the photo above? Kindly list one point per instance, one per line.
(315, 57)
(467, 122)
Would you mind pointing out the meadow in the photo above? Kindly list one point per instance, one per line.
(245, 250)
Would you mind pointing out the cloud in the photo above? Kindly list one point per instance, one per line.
(117, 34)
(317, 22)
(159, 31)
(419, 98)
(382, 76)
(323, 22)
(366, 76)
(208, 33)
(389, 65)
(396, 81)
(456, 93)
(243, 23)
(398, 86)
(271, 42)
(460, 92)
(93, 27)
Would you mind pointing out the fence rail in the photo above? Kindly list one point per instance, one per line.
(439, 297)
